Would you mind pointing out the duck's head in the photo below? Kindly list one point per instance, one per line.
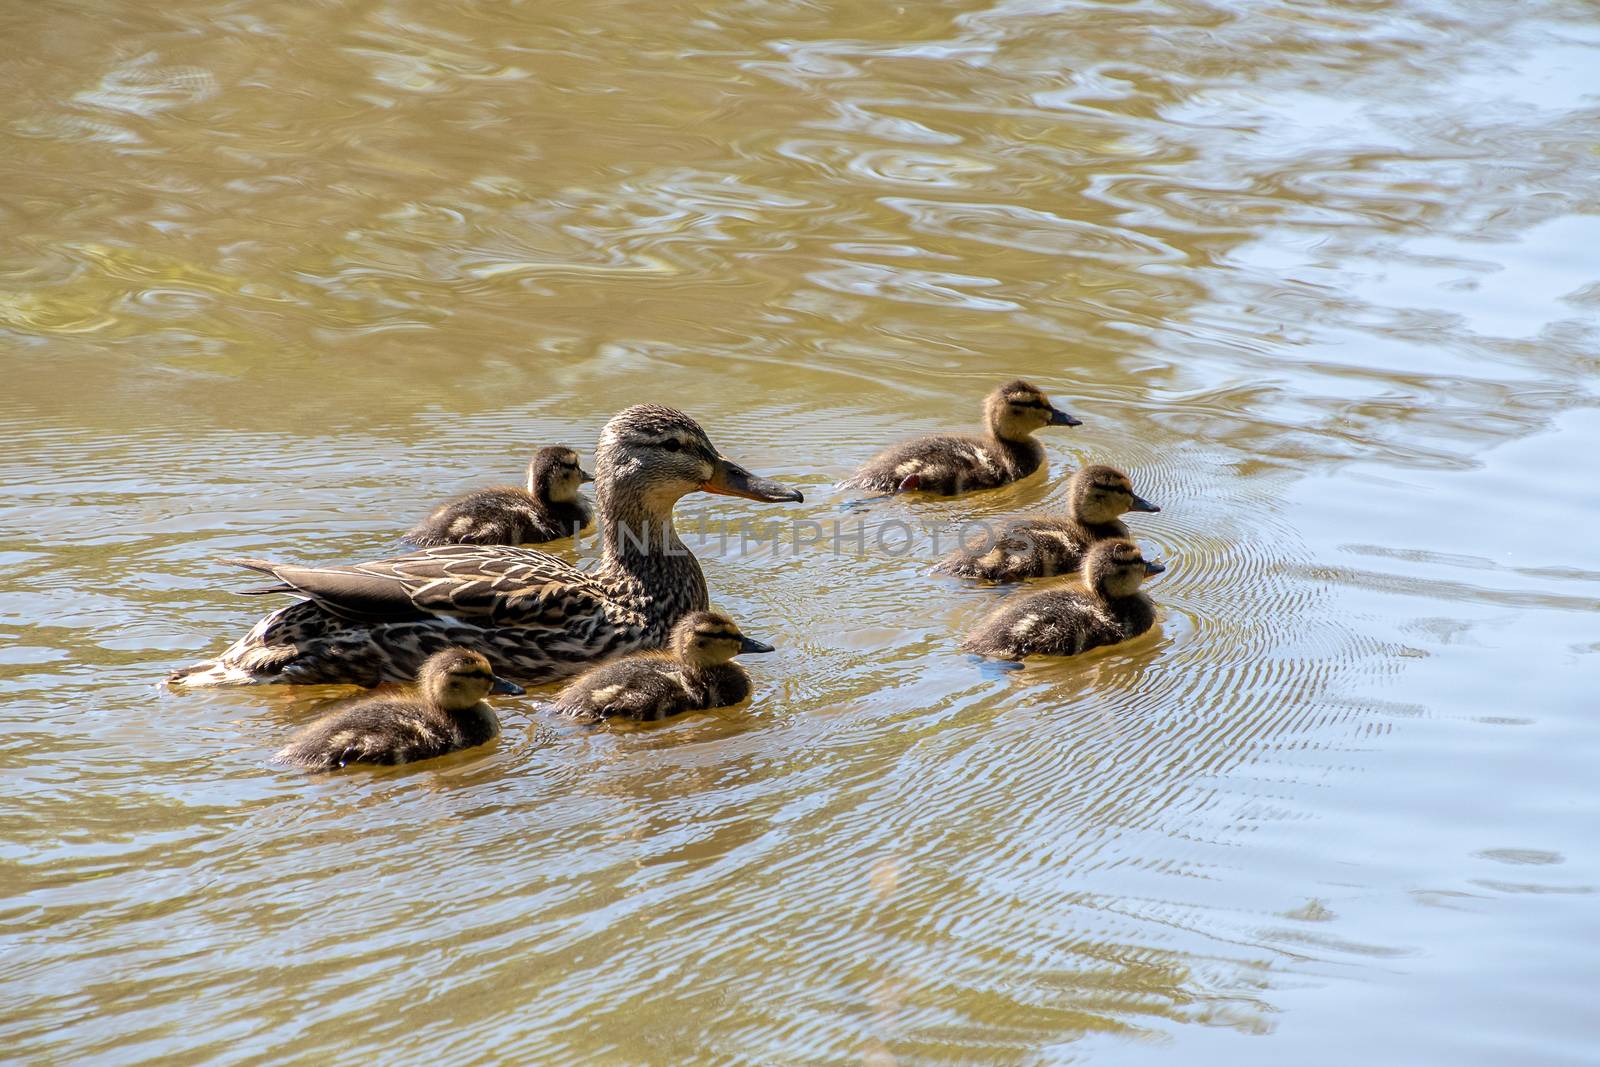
(1116, 568)
(657, 455)
(1016, 409)
(1100, 494)
(554, 475)
(707, 638)
(458, 678)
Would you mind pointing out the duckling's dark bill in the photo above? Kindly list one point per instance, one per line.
(750, 644)
(1141, 504)
(1061, 418)
(506, 687)
(730, 479)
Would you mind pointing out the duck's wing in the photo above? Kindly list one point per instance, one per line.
(492, 585)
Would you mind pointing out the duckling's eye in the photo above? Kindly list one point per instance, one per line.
(673, 445)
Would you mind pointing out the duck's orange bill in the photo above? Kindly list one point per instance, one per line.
(730, 479)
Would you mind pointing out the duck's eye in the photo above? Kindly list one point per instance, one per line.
(673, 445)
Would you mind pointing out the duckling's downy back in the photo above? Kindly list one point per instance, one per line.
(447, 713)
(550, 508)
(947, 465)
(698, 673)
(1104, 608)
(1050, 545)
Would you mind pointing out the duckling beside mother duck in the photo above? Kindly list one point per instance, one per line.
(948, 465)
(447, 714)
(534, 616)
(697, 674)
(549, 509)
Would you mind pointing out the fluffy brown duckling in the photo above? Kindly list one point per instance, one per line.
(547, 510)
(697, 673)
(1046, 546)
(446, 714)
(1105, 609)
(952, 464)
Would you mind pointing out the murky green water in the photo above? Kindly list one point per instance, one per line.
(1323, 276)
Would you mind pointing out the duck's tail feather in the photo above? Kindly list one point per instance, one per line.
(265, 566)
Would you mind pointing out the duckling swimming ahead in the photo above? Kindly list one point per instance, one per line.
(447, 714)
(1107, 608)
(948, 465)
(698, 673)
(1039, 548)
(549, 509)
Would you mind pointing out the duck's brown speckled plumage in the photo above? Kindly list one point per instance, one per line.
(446, 714)
(549, 509)
(1106, 608)
(1050, 545)
(534, 616)
(698, 673)
(951, 464)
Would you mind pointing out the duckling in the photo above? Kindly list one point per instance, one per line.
(549, 509)
(1105, 609)
(696, 674)
(1039, 548)
(448, 713)
(949, 465)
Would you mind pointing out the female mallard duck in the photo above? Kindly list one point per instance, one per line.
(548, 510)
(445, 715)
(534, 616)
(1040, 548)
(698, 673)
(1107, 608)
(948, 465)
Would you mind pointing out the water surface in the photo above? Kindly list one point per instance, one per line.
(1320, 275)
